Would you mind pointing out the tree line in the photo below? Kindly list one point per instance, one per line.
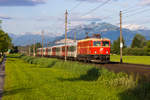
(5, 42)
(139, 46)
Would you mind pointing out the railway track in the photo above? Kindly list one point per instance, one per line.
(135, 69)
(143, 71)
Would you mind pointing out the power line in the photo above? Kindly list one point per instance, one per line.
(139, 12)
(76, 6)
(136, 10)
(129, 8)
(99, 6)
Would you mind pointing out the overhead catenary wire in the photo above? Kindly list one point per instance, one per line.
(136, 13)
(76, 6)
(132, 10)
(94, 9)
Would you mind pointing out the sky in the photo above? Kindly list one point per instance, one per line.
(33, 16)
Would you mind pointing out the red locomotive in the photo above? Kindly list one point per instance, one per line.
(90, 49)
(94, 49)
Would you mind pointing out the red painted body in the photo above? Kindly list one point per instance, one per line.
(87, 47)
(54, 51)
(63, 51)
(46, 52)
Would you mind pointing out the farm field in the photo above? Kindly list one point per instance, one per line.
(132, 59)
(52, 79)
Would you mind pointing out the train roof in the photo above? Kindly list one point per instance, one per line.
(94, 39)
(68, 44)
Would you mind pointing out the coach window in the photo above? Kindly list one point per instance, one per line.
(57, 49)
(49, 50)
(106, 43)
(97, 43)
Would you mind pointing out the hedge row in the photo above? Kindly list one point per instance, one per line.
(44, 62)
(133, 51)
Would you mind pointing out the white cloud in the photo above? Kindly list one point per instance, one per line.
(86, 18)
(93, 0)
(133, 26)
(80, 20)
(145, 2)
(4, 17)
(21, 2)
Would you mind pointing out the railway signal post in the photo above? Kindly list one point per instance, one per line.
(66, 18)
(121, 43)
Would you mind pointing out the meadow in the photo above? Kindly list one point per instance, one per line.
(1, 59)
(132, 59)
(29, 78)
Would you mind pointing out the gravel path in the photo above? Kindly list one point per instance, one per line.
(2, 76)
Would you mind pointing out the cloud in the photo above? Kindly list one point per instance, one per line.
(45, 18)
(87, 18)
(145, 2)
(21, 2)
(79, 18)
(93, 0)
(2, 17)
(133, 26)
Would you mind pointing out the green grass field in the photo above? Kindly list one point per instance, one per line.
(58, 80)
(1, 59)
(132, 59)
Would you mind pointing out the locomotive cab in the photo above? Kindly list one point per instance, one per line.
(101, 47)
(101, 50)
(94, 49)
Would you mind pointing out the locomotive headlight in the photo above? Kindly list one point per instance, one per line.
(95, 52)
(106, 52)
(101, 49)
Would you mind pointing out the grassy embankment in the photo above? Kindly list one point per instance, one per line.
(1, 59)
(132, 59)
(52, 79)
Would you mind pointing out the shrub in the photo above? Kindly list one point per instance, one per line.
(135, 51)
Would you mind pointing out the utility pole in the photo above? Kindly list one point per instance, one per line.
(47, 43)
(34, 49)
(87, 35)
(121, 43)
(74, 36)
(29, 50)
(42, 41)
(66, 18)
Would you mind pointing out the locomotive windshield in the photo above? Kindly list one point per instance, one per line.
(105, 43)
(97, 43)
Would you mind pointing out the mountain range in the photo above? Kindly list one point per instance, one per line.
(105, 29)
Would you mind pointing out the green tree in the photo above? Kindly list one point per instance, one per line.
(138, 41)
(116, 46)
(148, 47)
(5, 41)
(37, 45)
